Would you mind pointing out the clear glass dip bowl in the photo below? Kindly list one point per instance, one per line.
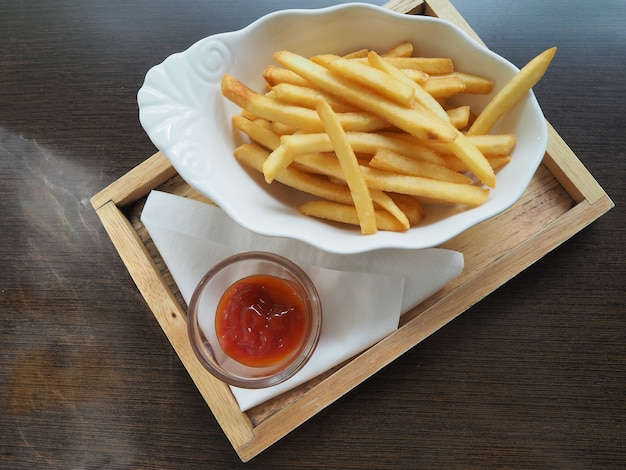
(266, 340)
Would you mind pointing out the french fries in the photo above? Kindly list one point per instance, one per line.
(421, 96)
(254, 156)
(402, 49)
(371, 136)
(429, 65)
(297, 116)
(350, 166)
(362, 142)
(408, 119)
(512, 92)
(389, 160)
(374, 79)
(306, 96)
(336, 212)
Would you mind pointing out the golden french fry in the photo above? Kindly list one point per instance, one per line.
(410, 120)
(384, 201)
(248, 115)
(362, 142)
(421, 95)
(495, 161)
(494, 144)
(347, 214)
(296, 116)
(257, 132)
(276, 162)
(324, 59)
(260, 122)
(444, 87)
(474, 84)
(356, 54)
(324, 164)
(459, 117)
(455, 164)
(469, 154)
(455, 193)
(429, 65)
(394, 162)
(512, 92)
(499, 161)
(305, 96)
(488, 144)
(416, 75)
(410, 206)
(402, 49)
(280, 128)
(374, 79)
(274, 75)
(253, 156)
(347, 159)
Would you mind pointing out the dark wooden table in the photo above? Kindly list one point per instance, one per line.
(532, 376)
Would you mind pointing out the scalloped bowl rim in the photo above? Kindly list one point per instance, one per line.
(184, 114)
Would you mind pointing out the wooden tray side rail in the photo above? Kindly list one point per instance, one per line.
(562, 199)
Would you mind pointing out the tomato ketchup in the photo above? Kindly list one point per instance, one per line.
(261, 320)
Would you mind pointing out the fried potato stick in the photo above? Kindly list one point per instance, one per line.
(356, 54)
(297, 116)
(474, 84)
(410, 206)
(402, 49)
(373, 78)
(421, 95)
(444, 87)
(350, 165)
(336, 212)
(429, 65)
(512, 92)
(391, 161)
(459, 117)
(488, 144)
(495, 161)
(416, 75)
(264, 136)
(274, 75)
(477, 163)
(326, 164)
(363, 142)
(444, 191)
(305, 96)
(253, 155)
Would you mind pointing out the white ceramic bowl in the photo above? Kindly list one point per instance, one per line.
(185, 115)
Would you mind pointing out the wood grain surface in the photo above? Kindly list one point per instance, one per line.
(533, 376)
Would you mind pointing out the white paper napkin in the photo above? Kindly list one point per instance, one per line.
(363, 295)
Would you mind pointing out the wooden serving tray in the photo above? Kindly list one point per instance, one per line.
(561, 200)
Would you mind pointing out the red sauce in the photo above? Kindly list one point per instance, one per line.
(261, 320)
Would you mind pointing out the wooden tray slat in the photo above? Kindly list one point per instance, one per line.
(570, 172)
(561, 200)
